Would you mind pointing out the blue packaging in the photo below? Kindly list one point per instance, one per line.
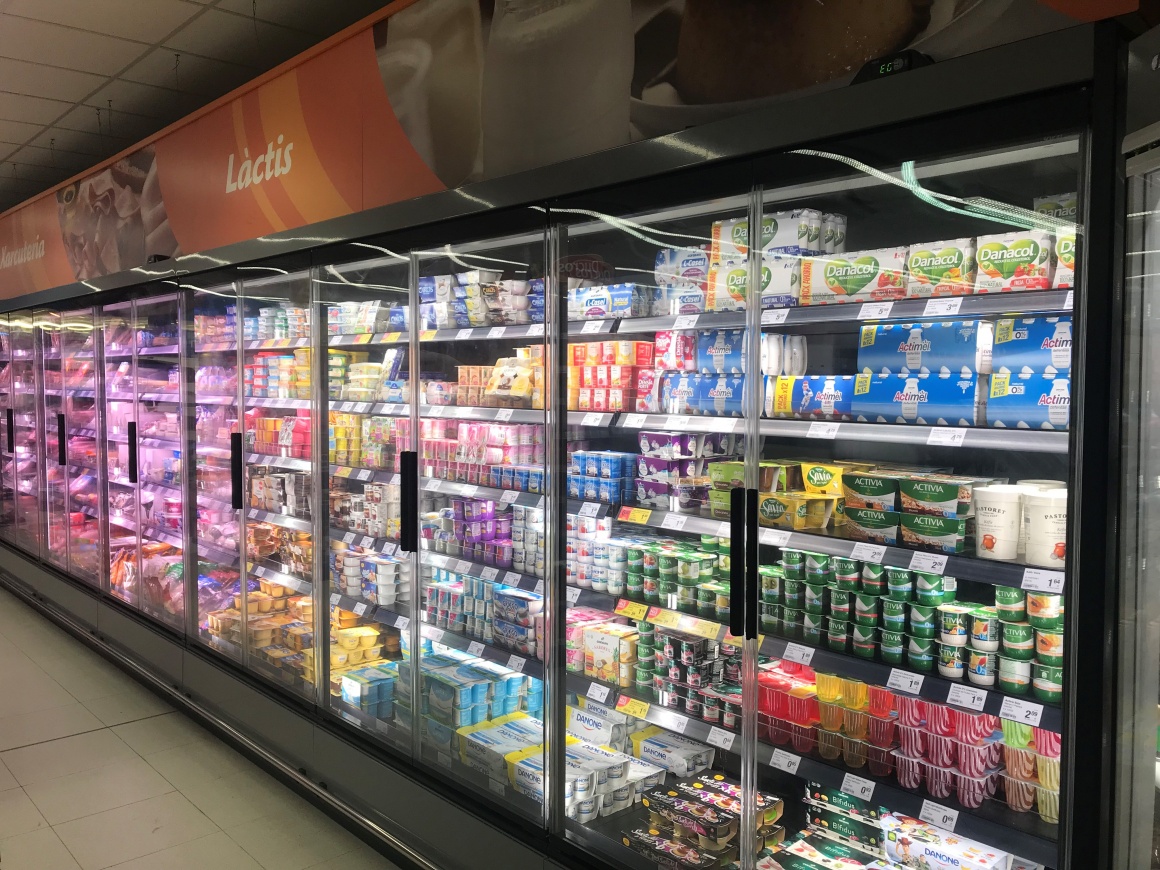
(1035, 344)
(608, 491)
(612, 300)
(575, 488)
(813, 397)
(679, 393)
(1034, 400)
(397, 320)
(426, 289)
(721, 395)
(590, 488)
(507, 477)
(904, 348)
(721, 351)
(579, 460)
(956, 400)
(521, 476)
(591, 464)
(610, 464)
(536, 480)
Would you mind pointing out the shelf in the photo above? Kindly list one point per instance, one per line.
(150, 532)
(365, 475)
(80, 392)
(83, 433)
(981, 437)
(214, 399)
(470, 490)
(290, 581)
(708, 320)
(215, 346)
(393, 735)
(208, 552)
(171, 398)
(496, 415)
(365, 338)
(286, 462)
(478, 569)
(154, 486)
(679, 423)
(159, 350)
(590, 418)
(592, 327)
(529, 665)
(287, 404)
(476, 333)
(385, 409)
(286, 522)
(164, 443)
(381, 545)
(273, 343)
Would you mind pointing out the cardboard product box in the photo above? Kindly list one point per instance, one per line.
(721, 396)
(821, 795)
(681, 268)
(939, 348)
(946, 268)
(940, 495)
(1029, 401)
(958, 400)
(874, 489)
(813, 397)
(1022, 260)
(795, 510)
(873, 526)
(908, 842)
(721, 351)
(1032, 344)
(937, 534)
(859, 276)
(785, 232)
(866, 833)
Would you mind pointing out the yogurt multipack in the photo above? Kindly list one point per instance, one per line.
(721, 351)
(783, 232)
(1029, 400)
(931, 400)
(812, 397)
(779, 282)
(913, 843)
(1023, 260)
(945, 268)
(1063, 207)
(681, 268)
(860, 276)
(1033, 344)
(608, 301)
(925, 348)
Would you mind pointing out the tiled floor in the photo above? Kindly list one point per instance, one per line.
(96, 772)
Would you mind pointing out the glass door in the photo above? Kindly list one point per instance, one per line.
(483, 603)
(118, 420)
(28, 446)
(366, 377)
(79, 363)
(279, 482)
(212, 351)
(54, 495)
(7, 437)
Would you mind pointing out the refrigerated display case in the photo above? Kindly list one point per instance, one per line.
(27, 450)
(79, 360)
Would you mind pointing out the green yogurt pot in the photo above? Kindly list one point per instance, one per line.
(899, 584)
(952, 661)
(954, 628)
(923, 620)
(986, 630)
(919, 661)
(819, 568)
(892, 639)
(1018, 641)
(863, 641)
(793, 592)
(892, 655)
(1014, 676)
(921, 645)
(982, 667)
(1049, 647)
(1044, 610)
(837, 635)
(1011, 604)
(840, 604)
(866, 608)
(814, 598)
(1047, 683)
(894, 614)
(847, 573)
(791, 623)
(928, 588)
(874, 578)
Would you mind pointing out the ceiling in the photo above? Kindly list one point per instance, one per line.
(81, 80)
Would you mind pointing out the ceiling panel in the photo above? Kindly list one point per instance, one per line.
(94, 144)
(122, 125)
(17, 131)
(310, 16)
(152, 102)
(57, 84)
(57, 160)
(225, 36)
(147, 22)
(197, 75)
(66, 47)
(34, 110)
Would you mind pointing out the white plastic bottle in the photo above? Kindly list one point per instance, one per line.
(1059, 411)
(1061, 346)
(914, 349)
(827, 403)
(555, 81)
(910, 400)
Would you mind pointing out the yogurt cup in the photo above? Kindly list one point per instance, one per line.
(1049, 647)
(985, 629)
(837, 634)
(814, 598)
(928, 588)
(1019, 641)
(982, 667)
(1044, 610)
(899, 584)
(840, 604)
(953, 624)
(1014, 676)
(1047, 528)
(1011, 603)
(1032, 485)
(866, 608)
(873, 578)
(1047, 683)
(923, 620)
(862, 640)
(998, 521)
(952, 661)
(894, 614)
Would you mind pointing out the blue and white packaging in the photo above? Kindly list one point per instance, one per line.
(680, 393)
(612, 300)
(953, 400)
(812, 397)
(721, 351)
(1034, 344)
(681, 268)
(1029, 400)
(925, 348)
(721, 396)
(678, 300)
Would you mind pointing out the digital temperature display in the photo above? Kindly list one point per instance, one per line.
(892, 65)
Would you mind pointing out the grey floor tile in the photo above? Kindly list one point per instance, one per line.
(123, 782)
(53, 723)
(56, 758)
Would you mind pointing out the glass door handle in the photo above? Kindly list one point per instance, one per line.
(132, 452)
(409, 501)
(751, 583)
(236, 471)
(61, 446)
(737, 561)
(11, 433)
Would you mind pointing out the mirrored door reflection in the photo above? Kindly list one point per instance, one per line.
(79, 384)
(120, 418)
(56, 470)
(26, 439)
(7, 441)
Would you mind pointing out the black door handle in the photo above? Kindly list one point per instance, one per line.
(11, 433)
(751, 583)
(409, 501)
(737, 562)
(61, 446)
(236, 470)
(132, 452)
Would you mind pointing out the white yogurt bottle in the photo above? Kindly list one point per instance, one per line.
(1059, 411)
(1061, 345)
(828, 390)
(914, 349)
(910, 399)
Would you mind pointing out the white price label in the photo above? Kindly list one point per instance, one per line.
(443, 758)
(795, 652)
(475, 648)
(674, 522)
(856, 786)
(598, 693)
(464, 333)
(774, 537)
(389, 549)
(1018, 710)
(968, 697)
(786, 761)
(592, 326)
(672, 721)
(904, 681)
(360, 609)
(402, 623)
(820, 429)
(633, 421)
(928, 563)
(939, 816)
(1069, 301)
(502, 415)
(724, 530)
(946, 437)
(365, 474)
(496, 331)
(367, 543)
(347, 406)
(572, 594)
(362, 407)
(434, 634)
(540, 502)
(462, 567)
(348, 538)
(335, 598)
(677, 422)
(592, 420)
(539, 587)
(1042, 580)
(874, 310)
(511, 578)
(868, 552)
(774, 316)
(686, 321)
(253, 514)
(437, 559)
(468, 489)
(436, 410)
(721, 738)
(536, 329)
(432, 484)
(516, 663)
(497, 787)
(390, 409)
(942, 307)
(508, 497)
(489, 573)
(589, 509)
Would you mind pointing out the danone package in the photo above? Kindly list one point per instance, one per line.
(877, 490)
(1029, 400)
(931, 400)
(938, 348)
(1033, 344)
(613, 300)
(686, 268)
(940, 495)
(779, 282)
(721, 351)
(861, 276)
(825, 478)
(872, 525)
(674, 753)
(913, 843)
(784, 232)
(937, 534)
(795, 510)
(942, 268)
(1023, 260)
(819, 397)
(721, 396)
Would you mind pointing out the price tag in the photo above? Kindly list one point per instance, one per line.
(724, 530)
(496, 785)
(721, 738)
(508, 497)
(496, 331)
(502, 415)
(437, 559)
(536, 329)
(597, 692)
(967, 696)
(774, 316)
(685, 321)
(428, 334)
(443, 758)
(632, 707)
(1069, 301)
(640, 516)
(592, 420)
(348, 538)
(489, 573)
(632, 609)
(464, 334)
(539, 587)
(402, 623)
(589, 509)
(462, 567)
(938, 815)
(633, 421)
(928, 563)
(677, 422)
(592, 326)
(868, 552)
(367, 543)
(947, 305)
(433, 484)
(362, 407)
(391, 337)
(389, 410)
(516, 663)
(475, 648)
(946, 437)
(874, 310)
(786, 761)
(795, 652)
(360, 609)
(1042, 580)
(904, 681)
(674, 522)
(774, 537)
(856, 786)
(388, 549)
(820, 429)
(664, 618)
(365, 474)
(511, 578)
(1018, 710)
(572, 594)
(335, 598)
(434, 634)
(672, 721)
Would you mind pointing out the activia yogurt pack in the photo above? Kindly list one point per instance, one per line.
(938, 348)
(860, 276)
(1032, 344)
(954, 400)
(1022, 260)
(945, 268)
(1029, 400)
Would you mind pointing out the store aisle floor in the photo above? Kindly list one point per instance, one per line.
(96, 772)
